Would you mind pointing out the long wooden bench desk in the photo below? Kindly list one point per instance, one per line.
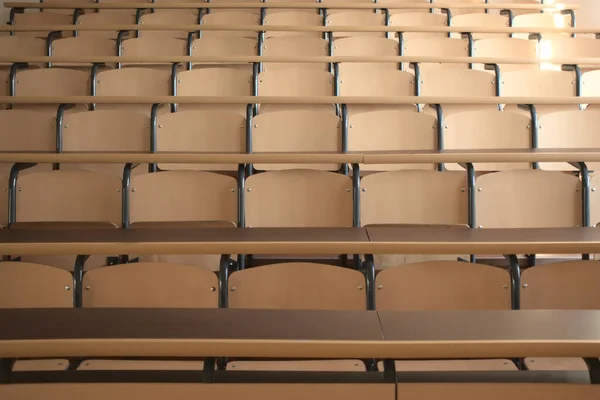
(388, 157)
(296, 241)
(248, 5)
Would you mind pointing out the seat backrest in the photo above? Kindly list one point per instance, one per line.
(297, 131)
(170, 17)
(107, 130)
(356, 18)
(69, 196)
(134, 81)
(230, 18)
(201, 131)
(307, 286)
(480, 19)
(431, 46)
(590, 84)
(291, 46)
(298, 198)
(565, 47)
(225, 46)
(506, 47)
(366, 46)
(46, 18)
(414, 197)
(172, 196)
(104, 17)
(293, 18)
(26, 285)
(147, 46)
(489, 130)
(374, 80)
(530, 82)
(418, 19)
(569, 285)
(528, 199)
(52, 82)
(83, 46)
(25, 130)
(147, 284)
(22, 46)
(443, 285)
(458, 82)
(378, 130)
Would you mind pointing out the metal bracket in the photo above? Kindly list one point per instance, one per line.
(515, 276)
(593, 365)
(369, 271)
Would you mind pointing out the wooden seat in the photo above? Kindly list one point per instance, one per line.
(168, 17)
(230, 17)
(215, 81)
(298, 198)
(542, 20)
(428, 46)
(500, 47)
(293, 18)
(356, 18)
(225, 46)
(133, 81)
(183, 197)
(27, 285)
(367, 46)
(35, 18)
(149, 46)
(155, 285)
(104, 17)
(393, 11)
(560, 286)
(297, 131)
(50, 82)
(11, 46)
(295, 81)
(105, 131)
(417, 19)
(460, 11)
(86, 46)
(305, 286)
(428, 198)
(378, 131)
(291, 46)
(504, 199)
(201, 131)
(479, 19)
(445, 285)
(566, 47)
(487, 129)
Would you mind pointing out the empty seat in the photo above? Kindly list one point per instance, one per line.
(295, 81)
(487, 130)
(298, 198)
(418, 19)
(460, 11)
(542, 20)
(480, 19)
(203, 198)
(156, 285)
(356, 18)
(297, 131)
(134, 81)
(500, 47)
(168, 18)
(367, 46)
(34, 18)
(560, 286)
(24, 130)
(566, 47)
(215, 81)
(566, 129)
(399, 129)
(201, 131)
(26, 285)
(12, 46)
(152, 46)
(428, 198)
(393, 11)
(590, 84)
(225, 46)
(293, 286)
(436, 47)
(291, 46)
(102, 18)
(230, 18)
(445, 285)
(293, 18)
(50, 82)
(504, 200)
(105, 131)
(86, 46)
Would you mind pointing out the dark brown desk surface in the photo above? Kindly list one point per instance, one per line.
(398, 240)
(185, 241)
(465, 334)
(294, 333)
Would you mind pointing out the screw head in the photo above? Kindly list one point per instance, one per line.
(233, 289)
(133, 190)
(249, 189)
(524, 286)
(88, 287)
(364, 189)
(213, 289)
(379, 287)
(67, 288)
(593, 189)
(479, 189)
(504, 286)
(360, 287)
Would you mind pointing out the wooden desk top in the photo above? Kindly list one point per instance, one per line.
(293, 333)
(395, 240)
(185, 241)
(186, 332)
(257, 5)
(465, 334)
